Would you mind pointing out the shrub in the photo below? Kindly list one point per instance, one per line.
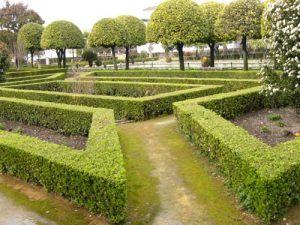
(90, 56)
(205, 61)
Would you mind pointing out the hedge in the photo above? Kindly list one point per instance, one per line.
(252, 74)
(124, 107)
(265, 179)
(94, 178)
(106, 88)
(229, 84)
(23, 73)
(48, 77)
(33, 77)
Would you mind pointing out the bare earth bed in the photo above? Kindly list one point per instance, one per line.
(272, 126)
(74, 141)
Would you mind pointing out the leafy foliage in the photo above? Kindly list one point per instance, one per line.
(176, 22)
(61, 35)
(89, 55)
(4, 60)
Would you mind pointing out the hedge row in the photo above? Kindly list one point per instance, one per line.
(175, 73)
(33, 77)
(94, 178)
(265, 179)
(23, 73)
(48, 77)
(124, 107)
(229, 84)
(106, 88)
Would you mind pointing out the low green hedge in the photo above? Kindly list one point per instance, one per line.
(23, 73)
(94, 178)
(265, 179)
(106, 88)
(124, 107)
(252, 74)
(47, 77)
(229, 84)
(33, 77)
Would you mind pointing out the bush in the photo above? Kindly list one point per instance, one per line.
(264, 179)
(23, 73)
(205, 61)
(88, 178)
(90, 56)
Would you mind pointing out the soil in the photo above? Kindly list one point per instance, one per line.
(259, 124)
(74, 141)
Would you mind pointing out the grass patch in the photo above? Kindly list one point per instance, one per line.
(143, 200)
(275, 117)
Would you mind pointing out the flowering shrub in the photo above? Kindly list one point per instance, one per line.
(284, 31)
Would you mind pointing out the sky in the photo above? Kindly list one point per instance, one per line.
(87, 12)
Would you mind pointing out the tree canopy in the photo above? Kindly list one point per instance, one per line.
(107, 33)
(4, 60)
(61, 35)
(211, 12)
(134, 33)
(241, 19)
(178, 23)
(29, 36)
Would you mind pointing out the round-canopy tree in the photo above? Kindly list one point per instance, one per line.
(134, 33)
(107, 33)
(4, 60)
(29, 36)
(61, 35)
(241, 19)
(211, 11)
(176, 23)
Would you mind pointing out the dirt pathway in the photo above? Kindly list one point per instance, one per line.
(189, 189)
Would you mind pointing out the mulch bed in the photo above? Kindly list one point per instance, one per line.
(73, 141)
(272, 126)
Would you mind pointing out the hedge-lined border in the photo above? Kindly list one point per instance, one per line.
(265, 179)
(29, 79)
(175, 73)
(23, 73)
(124, 107)
(229, 84)
(94, 178)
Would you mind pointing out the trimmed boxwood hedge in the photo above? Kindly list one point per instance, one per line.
(23, 73)
(265, 179)
(124, 107)
(229, 84)
(94, 178)
(29, 79)
(252, 74)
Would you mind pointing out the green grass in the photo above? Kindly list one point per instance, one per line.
(265, 130)
(143, 199)
(2, 126)
(275, 117)
(281, 123)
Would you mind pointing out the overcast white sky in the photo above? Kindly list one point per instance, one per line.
(85, 13)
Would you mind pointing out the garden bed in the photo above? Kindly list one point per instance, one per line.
(272, 126)
(77, 142)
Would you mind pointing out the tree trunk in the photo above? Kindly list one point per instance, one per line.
(64, 58)
(59, 54)
(245, 52)
(127, 58)
(31, 54)
(212, 54)
(180, 55)
(114, 57)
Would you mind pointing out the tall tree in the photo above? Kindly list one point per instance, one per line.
(178, 23)
(107, 33)
(211, 11)
(12, 18)
(61, 35)
(241, 19)
(135, 33)
(29, 36)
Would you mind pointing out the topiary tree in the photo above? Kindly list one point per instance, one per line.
(178, 23)
(241, 19)
(211, 11)
(89, 55)
(284, 19)
(4, 60)
(61, 35)
(135, 33)
(29, 36)
(107, 33)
